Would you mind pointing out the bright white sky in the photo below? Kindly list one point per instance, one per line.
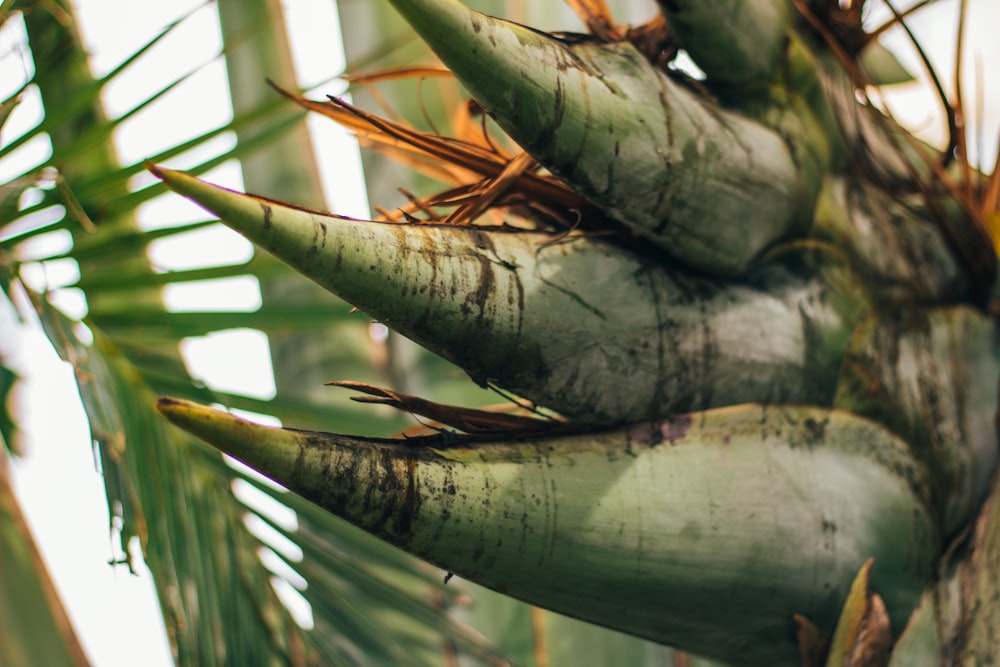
(115, 613)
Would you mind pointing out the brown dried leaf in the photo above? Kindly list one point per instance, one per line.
(400, 73)
(596, 15)
(450, 160)
(469, 420)
(812, 643)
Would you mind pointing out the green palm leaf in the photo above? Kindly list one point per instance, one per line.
(165, 488)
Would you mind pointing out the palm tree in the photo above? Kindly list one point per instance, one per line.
(748, 317)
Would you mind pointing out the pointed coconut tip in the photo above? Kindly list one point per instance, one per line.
(180, 411)
(180, 182)
(245, 213)
(270, 450)
(212, 425)
(478, 512)
(305, 239)
(234, 208)
(435, 16)
(659, 158)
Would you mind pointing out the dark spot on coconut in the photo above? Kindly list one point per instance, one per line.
(676, 428)
(266, 208)
(410, 502)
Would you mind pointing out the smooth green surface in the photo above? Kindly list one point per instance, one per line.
(906, 259)
(981, 600)
(645, 529)
(583, 327)
(957, 621)
(733, 41)
(931, 376)
(712, 188)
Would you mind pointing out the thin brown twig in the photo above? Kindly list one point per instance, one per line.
(846, 61)
(949, 110)
(877, 32)
(596, 15)
(991, 197)
(540, 649)
(980, 86)
(970, 243)
(460, 154)
(494, 188)
(398, 73)
(420, 204)
(962, 140)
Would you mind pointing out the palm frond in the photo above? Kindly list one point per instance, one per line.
(171, 493)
